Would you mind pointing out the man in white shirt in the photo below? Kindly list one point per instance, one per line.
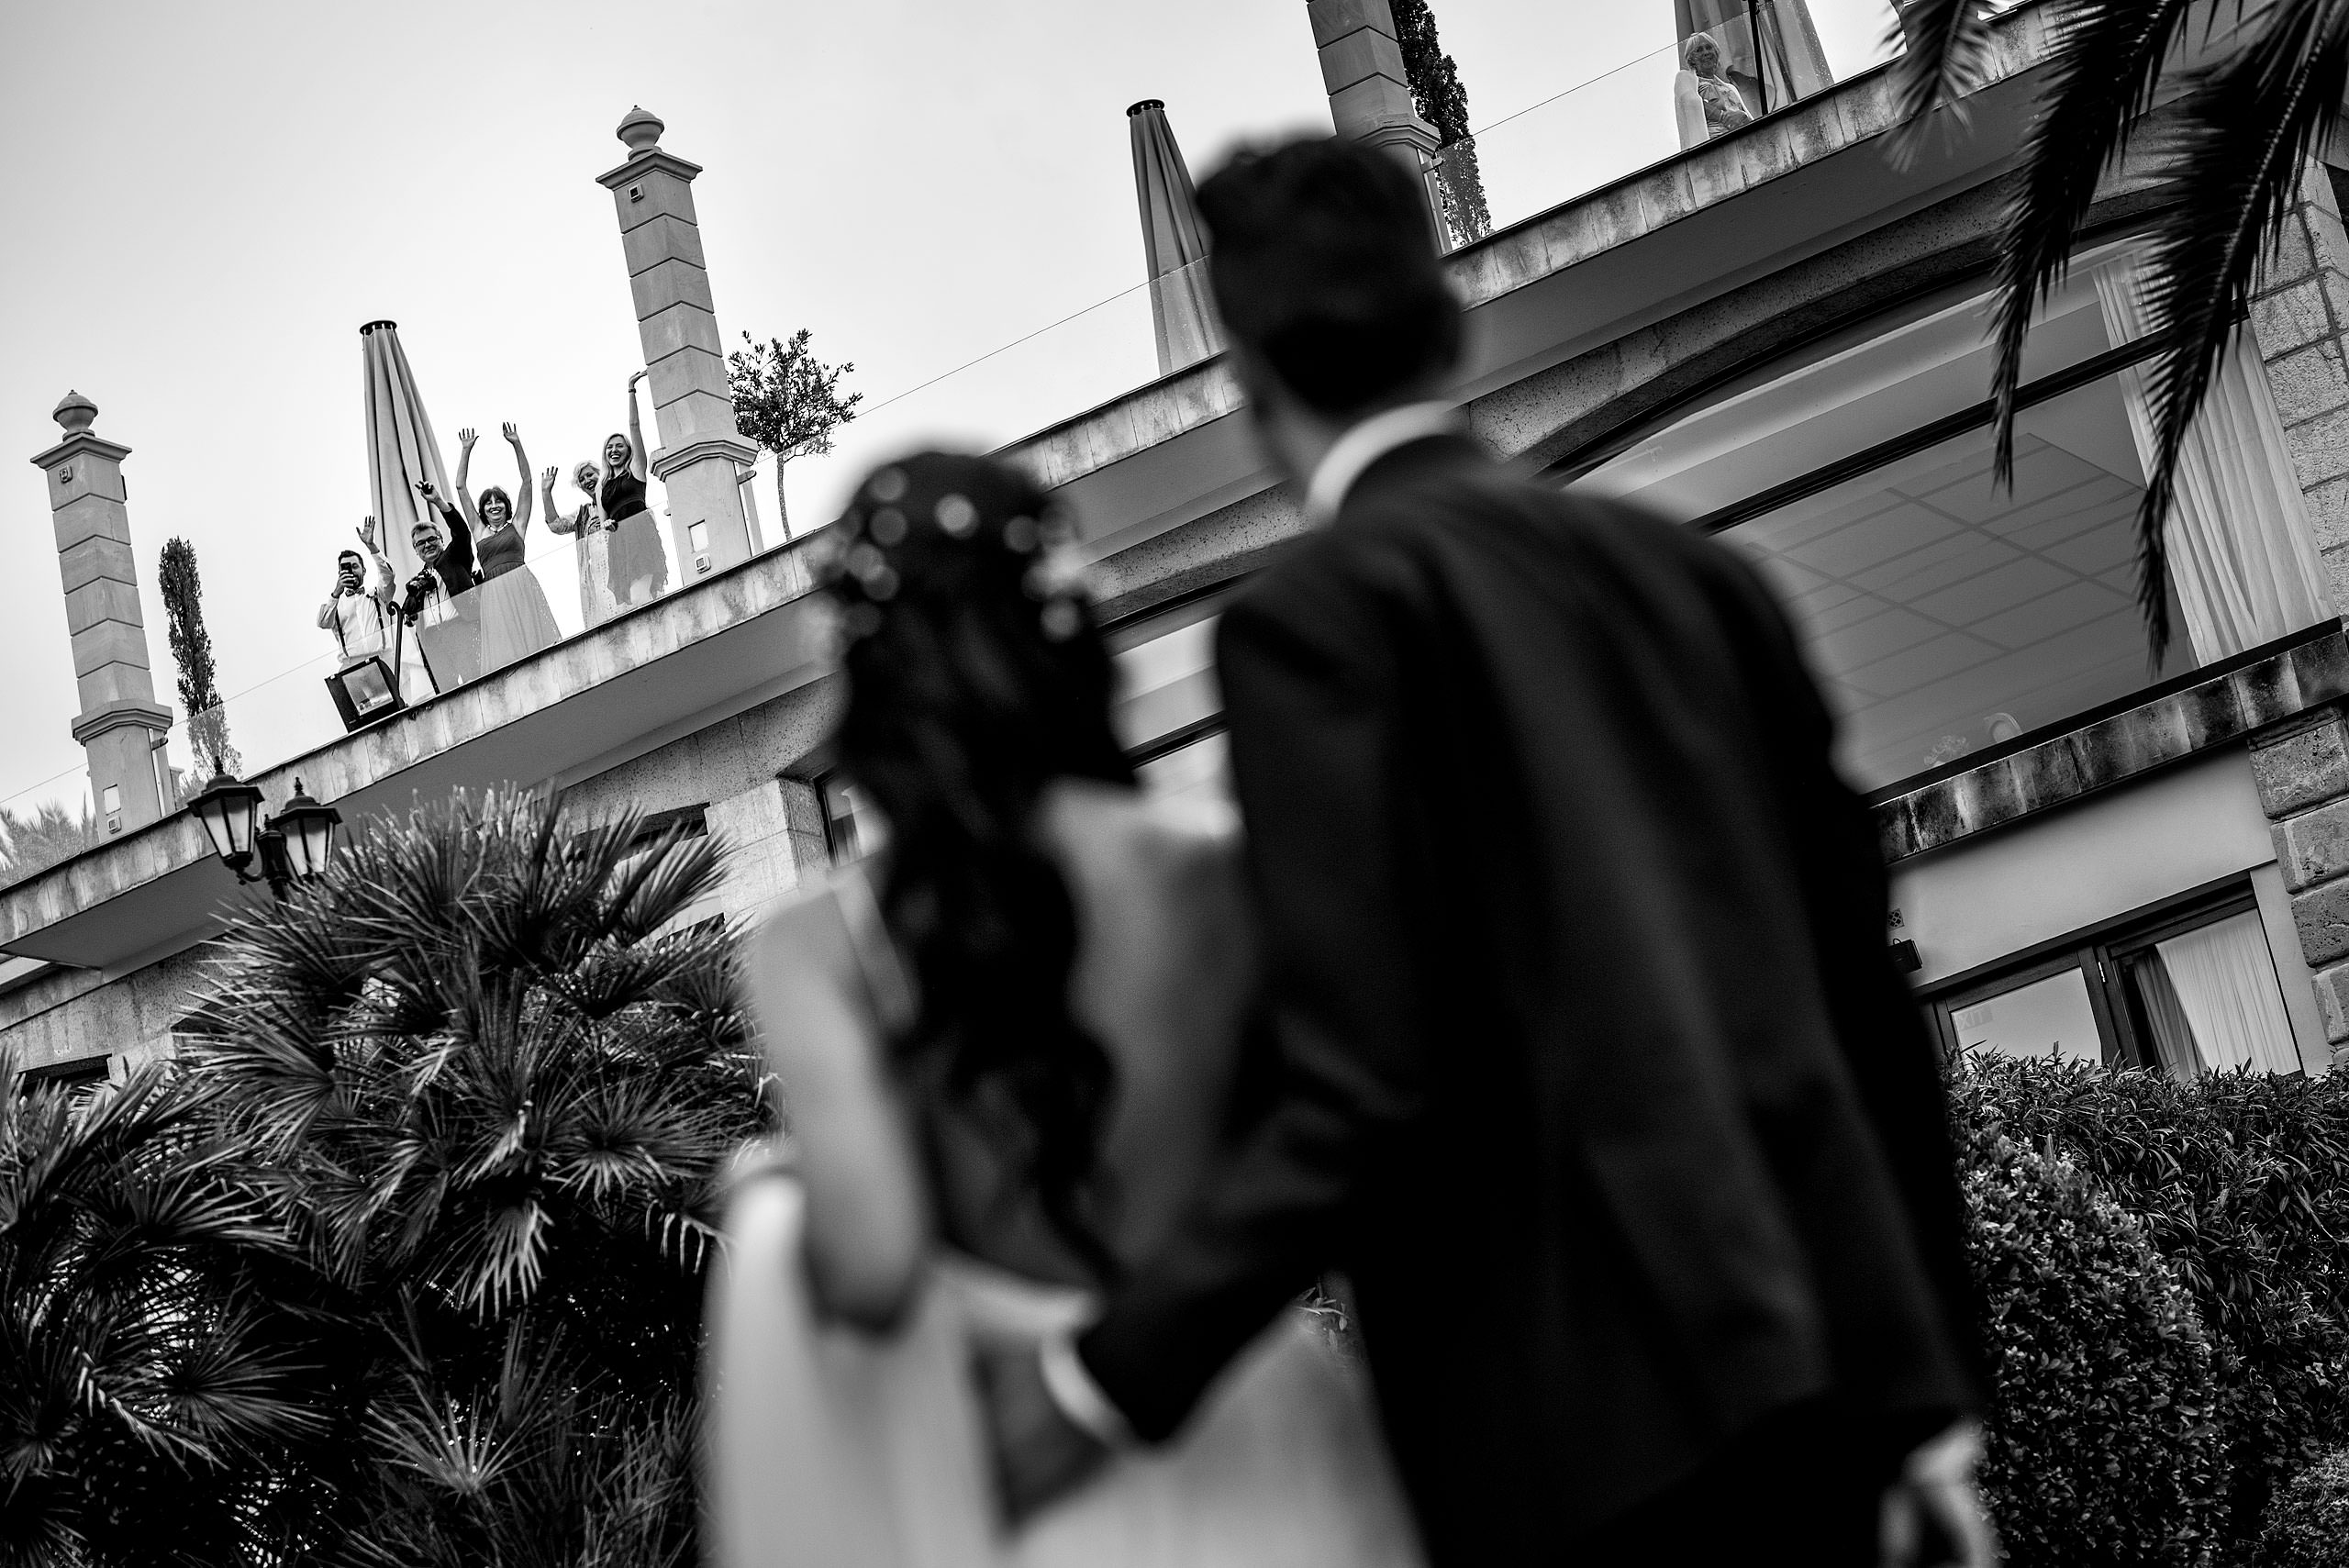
(360, 615)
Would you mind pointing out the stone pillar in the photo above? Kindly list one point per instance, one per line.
(693, 406)
(2301, 768)
(121, 724)
(2299, 319)
(1370, 96)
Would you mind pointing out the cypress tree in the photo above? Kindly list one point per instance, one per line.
(1442, 102)
(207, 722)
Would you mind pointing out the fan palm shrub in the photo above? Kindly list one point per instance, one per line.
(150, 1403)
(490, 1095)
(39, 837)
(2260, 85)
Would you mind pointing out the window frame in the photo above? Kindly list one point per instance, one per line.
(76, 1075)
(2100, 953)
(840, 847)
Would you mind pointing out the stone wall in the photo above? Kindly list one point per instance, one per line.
(735, 770)
(2301, 769)
(2299, 318)
(72, 1014)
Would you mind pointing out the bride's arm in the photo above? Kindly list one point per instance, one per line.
(868, 1216)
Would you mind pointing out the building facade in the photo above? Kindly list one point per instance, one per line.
(1777, 337)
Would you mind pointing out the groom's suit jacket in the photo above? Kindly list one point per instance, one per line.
(1591, 1066)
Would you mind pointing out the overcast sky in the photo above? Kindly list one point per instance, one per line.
(213, 197)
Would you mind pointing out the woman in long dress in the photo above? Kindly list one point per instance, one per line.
(515, 620)
(639, 572)
(592, 548)
(1007, 1044)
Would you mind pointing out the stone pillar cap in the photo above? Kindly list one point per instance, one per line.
(75, 412)
(640, 130)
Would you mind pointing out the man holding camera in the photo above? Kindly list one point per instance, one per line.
(438, 598)
(359, 615)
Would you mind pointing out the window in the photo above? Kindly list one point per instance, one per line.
(77, 1078)
(2188, 986)
(1169, 711)
(1943, 613)
(1199, 767)
(686, 822)
(851, 828)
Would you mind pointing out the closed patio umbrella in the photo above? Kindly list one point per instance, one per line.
(1173, 243)
(401, 447)
(401, 450)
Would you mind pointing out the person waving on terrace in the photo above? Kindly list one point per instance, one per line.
(595, 536)
(515, 620)
(639, 572)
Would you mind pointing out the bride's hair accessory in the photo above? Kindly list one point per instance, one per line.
(888, 528)
(976, 679)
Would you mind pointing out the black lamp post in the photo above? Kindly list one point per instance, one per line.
(294, 844)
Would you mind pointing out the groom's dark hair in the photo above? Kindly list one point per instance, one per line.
(1323, 262)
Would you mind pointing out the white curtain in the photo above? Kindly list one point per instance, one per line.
(2241, 553)
(2226, 984)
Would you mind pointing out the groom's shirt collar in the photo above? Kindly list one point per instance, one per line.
(1354, 452)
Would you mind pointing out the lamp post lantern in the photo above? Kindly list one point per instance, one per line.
(294, 845)
(306, 829)
(229, 811)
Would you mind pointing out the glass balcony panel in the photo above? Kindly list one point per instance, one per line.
(2051, 1017)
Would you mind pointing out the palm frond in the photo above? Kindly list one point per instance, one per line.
(2108, 67)
(2246, 135)
(1946, 54)
(481, 1086)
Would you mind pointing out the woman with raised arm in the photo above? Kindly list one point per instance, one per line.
(1009, 1043)
(640, 571)
(595, 535)
(515, 620)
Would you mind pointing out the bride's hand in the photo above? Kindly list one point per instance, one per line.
(1933, 1515)
(1039, 1452)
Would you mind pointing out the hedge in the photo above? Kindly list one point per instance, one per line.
(2239, 1182)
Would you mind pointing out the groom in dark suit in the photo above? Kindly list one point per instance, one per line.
(1592, 1071)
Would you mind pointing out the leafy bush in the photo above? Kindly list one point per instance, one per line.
(2307, 1523)
(2243, 1182)
(2102, 1447)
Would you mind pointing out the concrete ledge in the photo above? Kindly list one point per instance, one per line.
(2229, 706)
(505, 721)
(1858, 110)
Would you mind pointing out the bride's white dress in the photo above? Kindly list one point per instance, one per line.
(832, 1447)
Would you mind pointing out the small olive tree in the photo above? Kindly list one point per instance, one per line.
(788, 402)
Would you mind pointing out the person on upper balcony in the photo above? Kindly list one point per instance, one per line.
(593, 547)
(515, 620)
(639, 572)
(1704, 100)
(360, 616)
(438, 600)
